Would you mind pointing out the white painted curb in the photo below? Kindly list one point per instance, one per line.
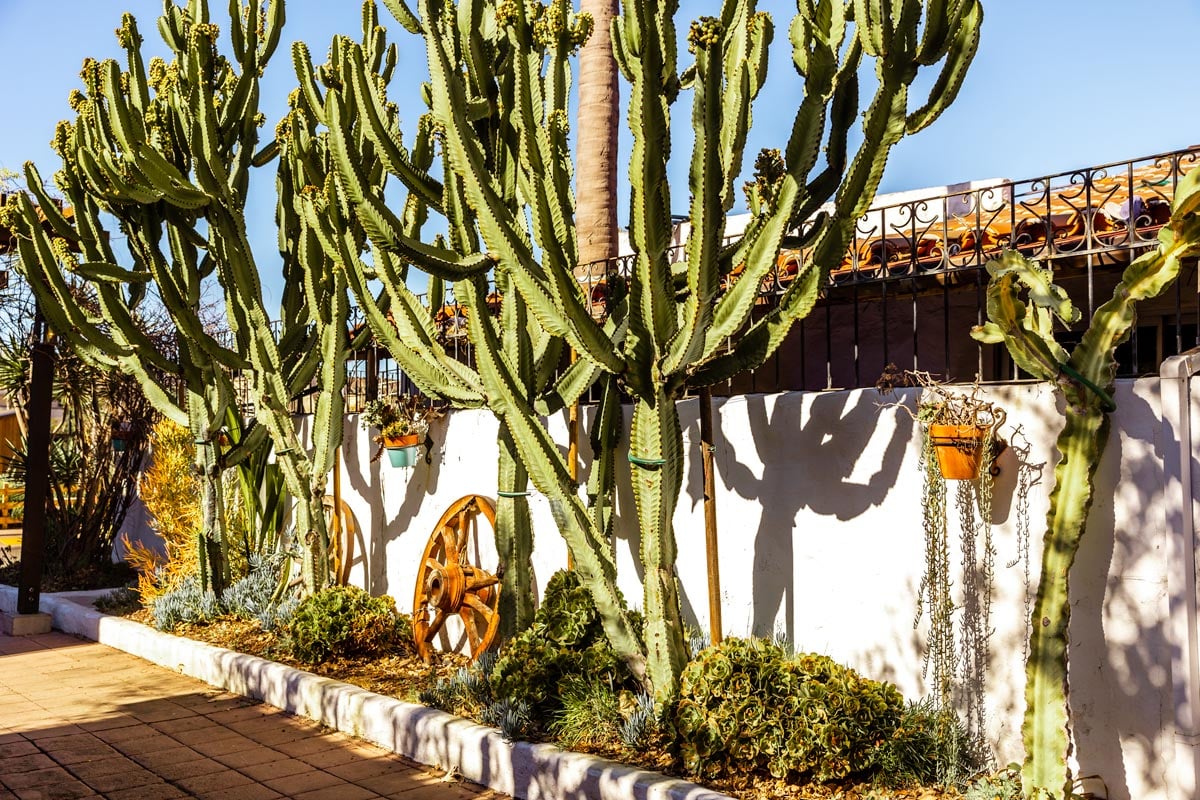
(478, 753)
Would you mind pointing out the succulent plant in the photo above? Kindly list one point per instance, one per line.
(745, 705)
(566, 639)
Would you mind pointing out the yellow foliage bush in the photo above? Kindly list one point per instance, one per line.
(171, 493)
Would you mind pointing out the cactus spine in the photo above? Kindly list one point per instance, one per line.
(1084, 376)
(499, 79)
(168, 150)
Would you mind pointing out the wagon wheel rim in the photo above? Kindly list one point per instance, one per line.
(341, 553)
(449, 585)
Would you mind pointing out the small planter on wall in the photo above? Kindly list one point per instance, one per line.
(402, 450)
(959, 450)
(122, 432)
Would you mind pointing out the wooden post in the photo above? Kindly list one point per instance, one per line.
(37, 471)
(573, 451)
(710, 516)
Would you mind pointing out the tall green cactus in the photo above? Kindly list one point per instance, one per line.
(499, 81)
(167, 149)
(1085, 378)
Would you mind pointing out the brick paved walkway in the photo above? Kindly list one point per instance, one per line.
(81, 720)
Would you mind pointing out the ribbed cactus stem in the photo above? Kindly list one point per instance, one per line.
(1023, 304)
(497, 96)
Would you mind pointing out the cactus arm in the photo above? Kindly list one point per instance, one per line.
(554, 298)
(385, 139)
(959, 55)
(1026, 331)
(548, 473)
(514, 539)
(707, 182)
(656, 436)
(653, 317)
(605, 437)
(404, 16)
(383, 226)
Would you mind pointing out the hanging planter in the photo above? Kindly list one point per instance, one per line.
(402, 456)
(402, 450)
(402, 423)
(122, 432)
(959, 450)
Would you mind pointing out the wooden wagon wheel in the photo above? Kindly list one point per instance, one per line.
(448, 584)
(343, 531)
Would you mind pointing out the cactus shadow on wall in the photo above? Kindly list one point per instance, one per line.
(1119, 644)
(827, 458)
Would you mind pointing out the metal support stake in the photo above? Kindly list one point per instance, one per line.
(573, 451)
(710, 515)
(37, 470)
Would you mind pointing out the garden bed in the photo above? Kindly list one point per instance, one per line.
(403, 676)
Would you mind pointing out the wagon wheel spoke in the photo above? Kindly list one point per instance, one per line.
(439, 619)
(449, 544)
(483, 608)
(481, 581)
(432, 564)
(462, 527)
(468, 618)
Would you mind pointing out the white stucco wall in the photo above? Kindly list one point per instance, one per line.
(819, 517)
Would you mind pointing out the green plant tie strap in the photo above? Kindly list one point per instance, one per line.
(646, 463)
(1106, 401)
(511, 494)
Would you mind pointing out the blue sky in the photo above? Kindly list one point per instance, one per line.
(1057, 84)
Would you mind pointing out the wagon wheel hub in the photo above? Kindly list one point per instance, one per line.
(447, 586)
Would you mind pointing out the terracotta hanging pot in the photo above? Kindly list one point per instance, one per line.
(959, 450)
(409, 440)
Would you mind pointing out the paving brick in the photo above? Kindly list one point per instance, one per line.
(293, 785)
(346, 791)
(25, 763)
(335, 755)
(272, 770)
(214, 782)
(156, 791)
(310, 744)
(223, 745)
(18, 746)
(85, 770)
(366, 768)
(76, 748)
(188, 769)
(131, 778)
(257, 754)
(173, 755)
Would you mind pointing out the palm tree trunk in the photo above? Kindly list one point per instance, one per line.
(596, 155)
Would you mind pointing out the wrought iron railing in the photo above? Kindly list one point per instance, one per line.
(912, 282)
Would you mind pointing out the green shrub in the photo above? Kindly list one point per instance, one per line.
(745, 705)
(345, 621)
(929, 746)
(565, 640)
